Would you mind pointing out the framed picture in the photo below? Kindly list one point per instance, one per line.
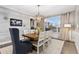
(32, 23)
(15, 22)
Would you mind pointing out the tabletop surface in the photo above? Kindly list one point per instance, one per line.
(32, 36)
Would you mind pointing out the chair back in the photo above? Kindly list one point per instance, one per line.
(14, 35)
(26, 31)
(41, 35)
(14, 32)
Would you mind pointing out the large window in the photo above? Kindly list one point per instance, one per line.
(52, 23)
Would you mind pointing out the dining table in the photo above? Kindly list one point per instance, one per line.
(31, 36)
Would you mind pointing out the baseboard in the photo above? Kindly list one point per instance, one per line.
(70, 41)
(6, 44)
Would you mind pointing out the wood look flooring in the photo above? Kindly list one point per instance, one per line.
(69, 48)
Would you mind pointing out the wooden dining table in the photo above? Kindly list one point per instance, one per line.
(31, 36)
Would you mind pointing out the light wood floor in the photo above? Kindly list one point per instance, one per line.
(69, 48)
(55, 47)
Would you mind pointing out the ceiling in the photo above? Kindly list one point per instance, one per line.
(45, 10)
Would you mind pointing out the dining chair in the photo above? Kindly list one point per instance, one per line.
(19, 46)
(26, 31)
(49, 34)
(41, 41)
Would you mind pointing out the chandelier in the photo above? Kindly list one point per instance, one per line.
(38, 16)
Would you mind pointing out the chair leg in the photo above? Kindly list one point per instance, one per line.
(43, 47)
(37, 50)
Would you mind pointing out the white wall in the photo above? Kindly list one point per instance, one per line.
(5, 23)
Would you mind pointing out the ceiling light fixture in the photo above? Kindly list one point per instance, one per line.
(38, 17)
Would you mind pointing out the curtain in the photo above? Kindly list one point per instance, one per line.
(67, 18)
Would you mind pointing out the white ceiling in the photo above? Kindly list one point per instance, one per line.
(45, 10)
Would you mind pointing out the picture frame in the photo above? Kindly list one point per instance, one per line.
(32, 23)
(15, 22)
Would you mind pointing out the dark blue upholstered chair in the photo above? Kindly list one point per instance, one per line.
(19, 47)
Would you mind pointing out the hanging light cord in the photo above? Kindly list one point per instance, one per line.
(38, 9)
